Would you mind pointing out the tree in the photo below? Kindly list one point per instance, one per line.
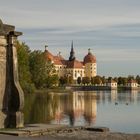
(92, 80)
(62, 81)
(23, 53)
(109, 79)
(85, 80)
(51, 80)
(42, 70)
(115, 79)
(138, 79)
(69, 80)
(103, 79)
(79, 80)
(97, 80)
(122, 81)
(130, 77)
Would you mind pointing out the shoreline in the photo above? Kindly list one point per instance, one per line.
(92, 88)
(61, 132)
(71, 89)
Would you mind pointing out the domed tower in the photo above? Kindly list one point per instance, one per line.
(90, 65)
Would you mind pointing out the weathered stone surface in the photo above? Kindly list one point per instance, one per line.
(11, 94)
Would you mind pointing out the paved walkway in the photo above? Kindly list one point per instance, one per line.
(63, 132)
(78, 135)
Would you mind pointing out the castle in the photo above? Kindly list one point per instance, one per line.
(73, 67)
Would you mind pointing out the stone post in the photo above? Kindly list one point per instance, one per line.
(11, 94)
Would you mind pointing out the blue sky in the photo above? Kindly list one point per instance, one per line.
(111, 28)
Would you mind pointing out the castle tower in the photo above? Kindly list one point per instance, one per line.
(90, 65)
(72, 53)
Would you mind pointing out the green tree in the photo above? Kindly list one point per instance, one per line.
(85, 80)
(70, 80)
(62, 81)
(51, 80)
(138, 79)
(122, 80)
(115, 79)
(79, 80)
(130, 77)
(97, 80)
(42, 70)
(92, 80)
(103, 79)
(23, 53)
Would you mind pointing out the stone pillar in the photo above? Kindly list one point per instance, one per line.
(11, 94)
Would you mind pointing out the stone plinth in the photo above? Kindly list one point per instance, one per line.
(11, 94)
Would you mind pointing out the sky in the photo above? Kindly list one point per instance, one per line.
(111, 28)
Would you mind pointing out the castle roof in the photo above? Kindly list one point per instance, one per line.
(74, 64)
(89, 58)
(59, 60)
(48, 55)
(71, 63)
(132, 81)
(112, 81)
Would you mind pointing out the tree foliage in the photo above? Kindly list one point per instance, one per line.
(85, 80)
(34, 70)
(79, 80)
(23, 53)
(42, 71)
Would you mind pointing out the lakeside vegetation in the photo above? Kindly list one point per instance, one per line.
(36, 73)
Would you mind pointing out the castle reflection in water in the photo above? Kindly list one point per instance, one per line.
(77, 108)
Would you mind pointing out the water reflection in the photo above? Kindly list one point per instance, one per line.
(77, 108)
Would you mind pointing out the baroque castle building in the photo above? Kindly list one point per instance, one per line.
(73, 67)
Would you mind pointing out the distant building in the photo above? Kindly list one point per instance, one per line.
(73, 67)
(132, 84)
(112, 84)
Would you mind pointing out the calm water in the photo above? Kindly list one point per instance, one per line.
(120, 111)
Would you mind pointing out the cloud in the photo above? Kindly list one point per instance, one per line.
(74, 13)
(111, 28)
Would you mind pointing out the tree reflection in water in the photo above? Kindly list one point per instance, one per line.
(77, 108)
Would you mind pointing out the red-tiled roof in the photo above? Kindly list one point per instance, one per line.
(59, 57)
(89, 58)
(59, 60)
(132, 81)
(112, 81)
(74, 64)
(48, 55)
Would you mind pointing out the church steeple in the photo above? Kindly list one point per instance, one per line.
(72, 53)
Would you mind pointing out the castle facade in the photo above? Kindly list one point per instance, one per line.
(73, 67)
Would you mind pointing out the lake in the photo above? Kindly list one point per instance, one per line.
(119, 111)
